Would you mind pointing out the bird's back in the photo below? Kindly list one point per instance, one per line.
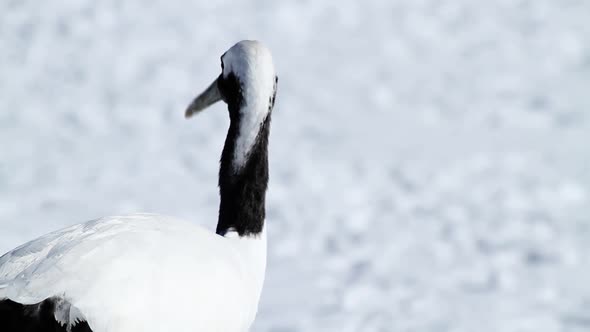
(140, 272)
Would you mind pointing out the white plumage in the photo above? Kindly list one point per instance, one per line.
(146, 272)
(141, 272)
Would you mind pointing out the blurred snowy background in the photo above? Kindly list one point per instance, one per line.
(430, 160)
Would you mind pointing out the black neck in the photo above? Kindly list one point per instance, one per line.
(243, 189)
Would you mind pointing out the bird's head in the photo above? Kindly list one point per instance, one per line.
(247, 82)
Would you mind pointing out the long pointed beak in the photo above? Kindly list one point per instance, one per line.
(207, 98)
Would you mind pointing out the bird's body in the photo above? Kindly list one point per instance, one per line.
(130, 269)
(151, 273)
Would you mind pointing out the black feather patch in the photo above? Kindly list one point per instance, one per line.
(40, 317)
(242, 191)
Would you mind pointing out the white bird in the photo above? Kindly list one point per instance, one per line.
(146, 272)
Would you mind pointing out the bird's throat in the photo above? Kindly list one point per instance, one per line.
(242, 186)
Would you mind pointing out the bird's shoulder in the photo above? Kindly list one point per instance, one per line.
(107, 241)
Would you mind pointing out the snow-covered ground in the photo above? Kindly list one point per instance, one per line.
(430, 160)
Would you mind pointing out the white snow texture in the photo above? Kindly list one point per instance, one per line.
(430, 164)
